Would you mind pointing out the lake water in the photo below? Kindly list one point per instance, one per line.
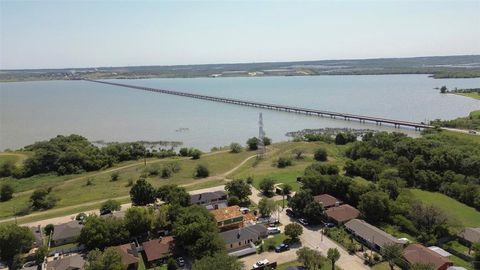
(33, 111)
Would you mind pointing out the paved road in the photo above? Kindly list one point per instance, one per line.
(312, 238)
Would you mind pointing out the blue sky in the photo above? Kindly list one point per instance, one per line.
(56, 34)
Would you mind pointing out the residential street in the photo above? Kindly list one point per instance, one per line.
(311, 238)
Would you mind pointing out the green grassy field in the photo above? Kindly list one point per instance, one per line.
(470, 95)
(17, 157)
(458, 211)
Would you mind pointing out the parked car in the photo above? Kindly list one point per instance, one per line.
(261, 263)
(472, 132)
(281, 248)
(290, 213)
(273, 230)
(180, 261)
(328, 224)
(303, 221)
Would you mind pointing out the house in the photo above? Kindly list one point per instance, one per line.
(157, 250)
(74, 262)
(469, 236)
(327, 201)
(66, 233)
(416, 253)
(38, 234)
(129, 254)
(228, 218)
(341, 214)
(211, 200)
(371, 235)
(243, 237)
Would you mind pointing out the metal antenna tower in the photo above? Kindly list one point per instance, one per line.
(261, 136)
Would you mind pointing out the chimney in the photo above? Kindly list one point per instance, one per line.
(200, 196)
(238, 233)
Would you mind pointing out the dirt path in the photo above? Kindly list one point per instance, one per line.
(124, 206)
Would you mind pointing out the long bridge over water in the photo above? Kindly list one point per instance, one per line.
(277, 107)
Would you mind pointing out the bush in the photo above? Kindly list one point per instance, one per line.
(235, 148)
(266, 186)
(202, 171)
(184, 152)
(49, 229)
(249, 180)
(89, 181)
(195, 153)
(174, 166)
(109, 206)
(166, 172)
(153, 170)
(252, 143)
(42, 199)
(344, 138)
(6, 192)
(233, 200)
(129, 182)
(114, 176)
(320, 154)
(283, 162)
(81, 216)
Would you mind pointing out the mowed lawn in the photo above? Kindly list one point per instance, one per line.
(73, 189)
(468, 216)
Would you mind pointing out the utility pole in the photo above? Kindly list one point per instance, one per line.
(261, 137)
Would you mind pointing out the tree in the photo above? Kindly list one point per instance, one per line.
(7, 168)
(40, 254)
(233, 200)
(443, 89)
(252, 143)
(49, 229)
(344, 138)
(313, 212)
(283, 162)
(196, 231)
(174, 194)
(184, 152)
(310, 258)
(114, 176)
(238, 188)
(266, 207)
(102, 232)
(195, 153)
(160, 217)
(333, 255)
(202, 171)
(320, 154)
(110, 259)
(266, 186)
(42, 199)
(81, 216)
(300, 200)
(6, 192)
(109, 206)
(286, 189)
(138, 220)
(171, 264)
(142, 193)
(267, 141)
(14, 240)
(235, 148)
(375, 206)
(218, 261)
(392, 253)
(298, 153)
(293, 230)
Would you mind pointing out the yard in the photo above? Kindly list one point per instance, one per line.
(273, 241)
(326, 265)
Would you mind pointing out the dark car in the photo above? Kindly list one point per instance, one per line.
(290, 213)
(303, 221)
(180, 262)
(328, 224)
(281, 248)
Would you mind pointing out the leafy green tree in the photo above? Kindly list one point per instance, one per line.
(333, 255)
(42, 199)
(184, 152)
(49, 229)
(174, 194)
(293, 230)
(142, 193)
(109, 206)
(218, 261)
(252, 143)
(375, 206)
(266, 186)
(160, 217)
(235, 148)
(322, 168)
(6, 192)
(138, 220)
(344, 138)
(102, 232)
(110, 259)
(286, 189)
(300, 200)
(443, 89)
(233, 200)
(201, 171)
(267, 141)
(238, 188)
(196, 231)
(298, 153)
(320, 154)
(392, 253)
(313, 212)
(283, 162)
(266, 207)
(195, 153)
(171, 264)
(14, 240)
(40, 254)
(7, 168)
(310, 258)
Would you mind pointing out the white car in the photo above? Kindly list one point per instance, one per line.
(273, 230)
(261, 263)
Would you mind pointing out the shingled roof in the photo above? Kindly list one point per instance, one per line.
(326, 200)
(129, 254)
(158, 248)
(416, 253)
(342, 213)
(67, 263)
(207, 197)
(67, 230)
(371, 233)
(243, 234)
(472, 235)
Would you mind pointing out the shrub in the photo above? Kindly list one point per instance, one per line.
(233, 200)
(283, 162)
(81, 216)
(320, 154)
(266, 186)
(153, 170)
(6, 192)
(129, 182)
(114, 176)
(48, 229)
(195, 153)
(249, 180)
(89, 181)
(109, 206)
(174, 166)
(166, 172)
(235, 148)
(202, 171)
(184, 152)
(252, 143)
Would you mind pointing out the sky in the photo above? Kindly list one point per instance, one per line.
(65, 34)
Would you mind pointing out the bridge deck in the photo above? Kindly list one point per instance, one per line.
(346, 116)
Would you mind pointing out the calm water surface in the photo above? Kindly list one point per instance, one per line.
(32, 111)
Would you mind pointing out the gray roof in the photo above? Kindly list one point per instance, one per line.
(67, 263)
(472, 235)
(67, 230)
(37, 233)
(371, 233)
(207, 197)
(243, 234)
